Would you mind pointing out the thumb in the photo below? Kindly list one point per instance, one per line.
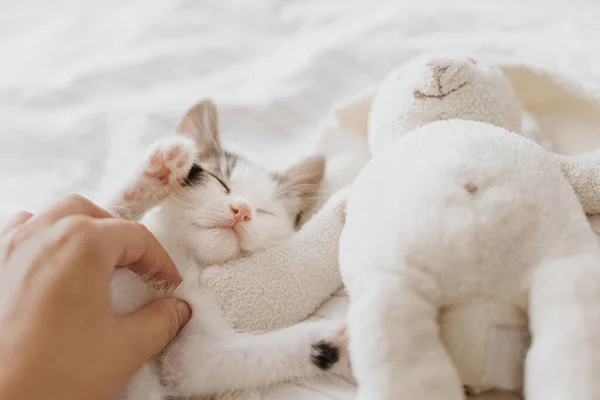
(151, 328)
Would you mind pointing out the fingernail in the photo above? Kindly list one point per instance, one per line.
(184, 311)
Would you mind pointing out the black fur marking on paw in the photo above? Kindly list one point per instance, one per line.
(194, 176)
(298, 218)
(468, 391)
(324, 355)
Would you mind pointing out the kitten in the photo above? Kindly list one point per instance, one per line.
(216, 206)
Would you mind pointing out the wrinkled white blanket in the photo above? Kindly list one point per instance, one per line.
(85, 87)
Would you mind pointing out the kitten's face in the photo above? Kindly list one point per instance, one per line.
(231, 207)
(228, 215)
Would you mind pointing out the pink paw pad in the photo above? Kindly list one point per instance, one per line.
(167, 162)
(132, 194)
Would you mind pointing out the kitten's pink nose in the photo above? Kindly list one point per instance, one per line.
(241, 212)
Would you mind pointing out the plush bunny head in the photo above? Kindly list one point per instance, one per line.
(428, 90)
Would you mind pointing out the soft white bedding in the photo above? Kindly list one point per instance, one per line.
(85, 86)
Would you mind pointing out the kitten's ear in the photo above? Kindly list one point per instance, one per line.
(299, 185)
(201, 123)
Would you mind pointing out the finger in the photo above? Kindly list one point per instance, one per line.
(70, 205)
(135, 247)
(18, 219)
(112, 242)
(150, 329)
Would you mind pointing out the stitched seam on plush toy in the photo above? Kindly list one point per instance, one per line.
(418, 94)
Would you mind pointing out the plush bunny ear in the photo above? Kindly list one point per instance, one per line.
(299, 185)
(201, 123)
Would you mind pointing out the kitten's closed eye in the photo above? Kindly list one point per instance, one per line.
(197, 170)
(227, 190)
(193, 175)
(261, 211)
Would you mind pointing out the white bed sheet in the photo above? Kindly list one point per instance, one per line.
(85, 86)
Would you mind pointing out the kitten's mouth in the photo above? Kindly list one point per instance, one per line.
(229, 230)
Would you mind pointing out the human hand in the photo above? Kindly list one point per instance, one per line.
(59, 336)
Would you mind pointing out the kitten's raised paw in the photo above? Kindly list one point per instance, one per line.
(331, 353)
(171, 160)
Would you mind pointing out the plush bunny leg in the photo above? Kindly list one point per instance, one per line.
(564, 359)
(395, 343)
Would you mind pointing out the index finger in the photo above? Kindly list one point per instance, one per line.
(135, 247)
(118, 243)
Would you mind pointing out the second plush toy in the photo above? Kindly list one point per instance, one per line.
(462, 238)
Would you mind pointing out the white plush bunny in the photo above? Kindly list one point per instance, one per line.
(464, 238)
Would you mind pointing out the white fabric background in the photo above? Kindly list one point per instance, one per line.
(86, 86)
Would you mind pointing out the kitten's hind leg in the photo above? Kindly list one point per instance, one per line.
(198, 365)
(162, 173)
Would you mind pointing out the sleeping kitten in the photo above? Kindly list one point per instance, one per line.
(216, 207)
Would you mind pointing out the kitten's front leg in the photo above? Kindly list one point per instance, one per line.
(199, 365)
(162, 173)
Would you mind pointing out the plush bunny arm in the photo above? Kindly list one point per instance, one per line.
(583, 173)
(283, 284)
